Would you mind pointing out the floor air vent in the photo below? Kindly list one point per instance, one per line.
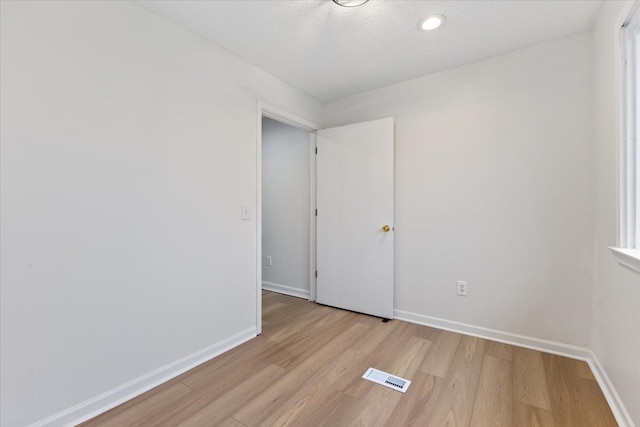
(388, 380)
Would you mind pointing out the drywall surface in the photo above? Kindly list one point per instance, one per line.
(494, 165)
(128, 148)
(285, 205)
(616, 339)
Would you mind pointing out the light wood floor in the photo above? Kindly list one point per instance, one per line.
(306, 367)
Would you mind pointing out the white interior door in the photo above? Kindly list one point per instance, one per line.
(355, 173)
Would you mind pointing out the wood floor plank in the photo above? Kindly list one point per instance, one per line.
(346, 409)
(309, 321)
(441, 354)
(220, 409)
(271, 311)
(529, 379)
(230, 422)
(138, 400)
(287, 353)
(147, 408)
(324, 336)
(426, 332)
(379, 334)
(584, 370)
(326, 318)
(593, 403)
(499, 350)
(278, 326)
(455, 405)
(322, 386)
(531, 416)
(263, 405)
(575, 400)
(415, 408)
(252, 381)
(494, 396)
(231, 371)
(562, 386)
(255, 349)
(299, 348)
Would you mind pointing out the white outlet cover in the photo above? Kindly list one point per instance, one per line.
(462, 288)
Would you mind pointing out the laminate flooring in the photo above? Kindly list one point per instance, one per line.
(306, 367)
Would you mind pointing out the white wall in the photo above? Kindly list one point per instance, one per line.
(616, 339)
(494, 186)
(285, 206)
(128, 147)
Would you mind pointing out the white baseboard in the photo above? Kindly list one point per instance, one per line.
(617, 407)
(287, 290)
(581, 353)
(553, 347)
(114, 397)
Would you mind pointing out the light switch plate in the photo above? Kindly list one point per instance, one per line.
(245, 215)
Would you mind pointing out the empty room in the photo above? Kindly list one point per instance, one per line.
(319, 213)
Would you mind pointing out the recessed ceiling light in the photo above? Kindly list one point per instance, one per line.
(432, 22)
(350, 3)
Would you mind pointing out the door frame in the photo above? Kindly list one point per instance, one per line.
(283, 116)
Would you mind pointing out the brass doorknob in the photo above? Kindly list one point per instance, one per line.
(386, 228)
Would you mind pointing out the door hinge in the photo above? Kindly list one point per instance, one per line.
(316, 212)
(316, 150)
(316, 274)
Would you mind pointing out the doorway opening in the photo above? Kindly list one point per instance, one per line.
(285, 206)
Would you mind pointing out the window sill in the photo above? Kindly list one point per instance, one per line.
(627, 257)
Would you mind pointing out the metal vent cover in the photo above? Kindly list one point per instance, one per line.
(387, 380)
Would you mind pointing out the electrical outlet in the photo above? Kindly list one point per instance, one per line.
(269, 261)
(462, 288)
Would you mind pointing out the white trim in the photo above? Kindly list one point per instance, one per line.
(312, 216)
(629, 258)
(259, 218)
(552, 347)
(127, 391)
(628, 174)
(287, 290)
(285, 117)
(574, 352)
(266, 110)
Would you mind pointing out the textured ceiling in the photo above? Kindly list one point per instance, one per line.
(330, 51)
